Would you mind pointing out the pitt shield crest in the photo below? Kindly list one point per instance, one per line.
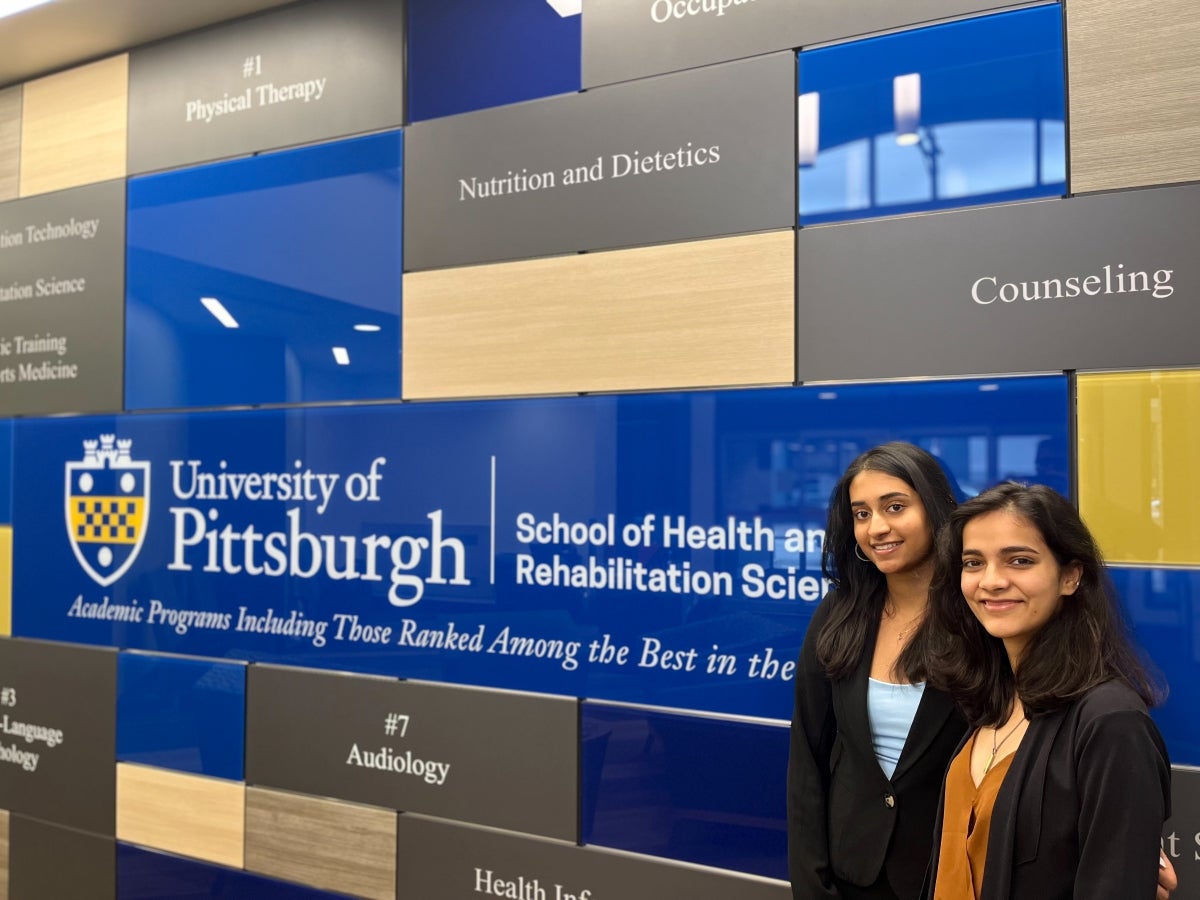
(108, 508)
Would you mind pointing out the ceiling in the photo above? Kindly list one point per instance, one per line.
(66, 33)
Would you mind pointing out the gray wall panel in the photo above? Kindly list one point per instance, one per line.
(944, 294)
(624, 39)
(496, 758)
(1181, 833)
(53, 863)
(442, 861)
(715, 150)
(309, 72)
(58, 708)
(62, 301)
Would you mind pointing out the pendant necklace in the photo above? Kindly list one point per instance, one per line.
(996, 745)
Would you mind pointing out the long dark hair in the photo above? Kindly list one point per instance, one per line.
(861, 588)
(1084, 644)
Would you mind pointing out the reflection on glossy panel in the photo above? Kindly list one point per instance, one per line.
(182, 714)
(473, 54)
(148, 873)
(695, 789)
(274, 279)
(964, 113)
(1138, 480)
(513, 543)
(1163, 606)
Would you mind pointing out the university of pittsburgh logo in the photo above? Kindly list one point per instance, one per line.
(108, 508)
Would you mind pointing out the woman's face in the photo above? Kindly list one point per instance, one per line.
(1010, 579)
(890, 524)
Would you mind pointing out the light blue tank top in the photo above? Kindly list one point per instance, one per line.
(891, 709)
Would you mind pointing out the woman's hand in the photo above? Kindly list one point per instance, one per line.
(1167, 880)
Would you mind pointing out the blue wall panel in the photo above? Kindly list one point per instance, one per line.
(299, 247)
(691, 788)
(473, 54)
(977, 116)
(182, 714)
(147, 873)
(662, 549)
(1163, 608)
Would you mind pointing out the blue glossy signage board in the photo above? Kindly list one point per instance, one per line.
(273, 279)
(655, 548)
(969, 112)
(465, 55)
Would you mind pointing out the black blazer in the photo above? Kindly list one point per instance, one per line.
(847, 823)
(1082, 805)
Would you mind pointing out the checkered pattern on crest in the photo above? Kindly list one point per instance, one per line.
(108, 520)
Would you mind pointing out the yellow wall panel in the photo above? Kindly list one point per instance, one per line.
(191, 815)
(10, 142)
(5, 580)
(698, 314)
(1134, 92)
(1139, 485)
(74, 127)
(322, 843)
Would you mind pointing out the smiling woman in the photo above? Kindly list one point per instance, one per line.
(1062, 785)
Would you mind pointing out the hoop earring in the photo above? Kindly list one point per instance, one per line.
(858, 552)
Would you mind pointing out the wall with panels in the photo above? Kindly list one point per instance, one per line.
(444, 496)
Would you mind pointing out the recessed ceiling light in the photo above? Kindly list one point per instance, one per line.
(220, 313)
(341, 355)
(12, 7)
(363, 326)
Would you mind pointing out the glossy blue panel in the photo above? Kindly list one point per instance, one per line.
(976, 117)
(6, 451)
(295, 535)
(182, 714)
(1163, 606)
(474, 54)
(690, 788)
(148, 873)
(299, 247)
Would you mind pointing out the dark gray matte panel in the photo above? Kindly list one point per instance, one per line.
(308, 72)
(58, 708)
(921, 296)
(715, 147)
(490, 757)
(1181, 833)
(442, 861)
(62, 301)
(47, 861)
(624, 39)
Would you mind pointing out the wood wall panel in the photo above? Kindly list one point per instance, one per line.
(74, 126)
(191, 815)
(698, 314)
(10, 142)
(1134, 93)
(322, 843)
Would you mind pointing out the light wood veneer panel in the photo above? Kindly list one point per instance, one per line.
(326, 844)
(10, 142)
(74, 127)
(1134, 92)
(190, 815)
(698, 314)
